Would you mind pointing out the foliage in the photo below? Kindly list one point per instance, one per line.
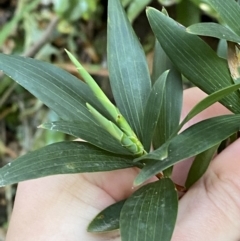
(192, 7)
(121, 137)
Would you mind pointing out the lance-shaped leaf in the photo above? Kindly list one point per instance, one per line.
(190, 142)
(208, 101)
(172, 101)
(88, 132)
(152, 109)
(150, 213)
(171, 109)
(56, 88)
(128, 70)
(61, 158)
(193, 57)
(108, 219)
(228, 12)
(214, 30)
(161, 62)
(200, 165)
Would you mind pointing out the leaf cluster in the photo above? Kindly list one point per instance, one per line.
(143, 130)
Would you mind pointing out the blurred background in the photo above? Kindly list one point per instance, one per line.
(41, 29)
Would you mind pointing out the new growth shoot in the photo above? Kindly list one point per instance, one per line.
(122, 131)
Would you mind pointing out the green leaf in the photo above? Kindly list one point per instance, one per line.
(161, 62)
(193, 57)
(61, 158)
(171, 109)
(200, 165)
(168, 2)
(150, 213)
(108, 219)
(187, 12)
(9, 26)
(56, 88)
(135, 8)
(208, 101)
(214, 30)
(95, 135)
(190, 142)
(222, 49)
(128, 70)
(228, 12)
(153, 109)
(125, 2)
(74, 9)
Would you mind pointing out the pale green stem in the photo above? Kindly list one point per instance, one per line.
(106, 103)
(126, 141)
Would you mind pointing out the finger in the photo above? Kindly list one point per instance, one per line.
(211, 208)
(191, 97)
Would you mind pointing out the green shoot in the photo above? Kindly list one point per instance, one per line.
(112, 110)
(126, 141)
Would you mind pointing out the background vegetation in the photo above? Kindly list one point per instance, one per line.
(42, 29)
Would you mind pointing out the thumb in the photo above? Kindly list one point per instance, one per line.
(210, 210)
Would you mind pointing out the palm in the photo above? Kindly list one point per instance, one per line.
(60, 207)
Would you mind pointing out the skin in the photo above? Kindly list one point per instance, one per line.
(60, 207)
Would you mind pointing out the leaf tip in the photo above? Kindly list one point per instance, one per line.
(148, 9)
(136, 182)
(188, 29)
(66, 51)
(164, 11)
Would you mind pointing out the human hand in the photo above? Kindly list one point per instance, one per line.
(60, 207)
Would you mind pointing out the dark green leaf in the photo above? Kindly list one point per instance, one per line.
(152, 109)
(193, 57)
(190, 142)
(228, 12)
(161, 62)
(222, 49)
(56, 88)
(200, 165)
(90, 133)
(188, 13)
(208, 101)
(61, 158)
(150, 213)
(214, 30)
(128, 70)
(108, 219)
(171, 109)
